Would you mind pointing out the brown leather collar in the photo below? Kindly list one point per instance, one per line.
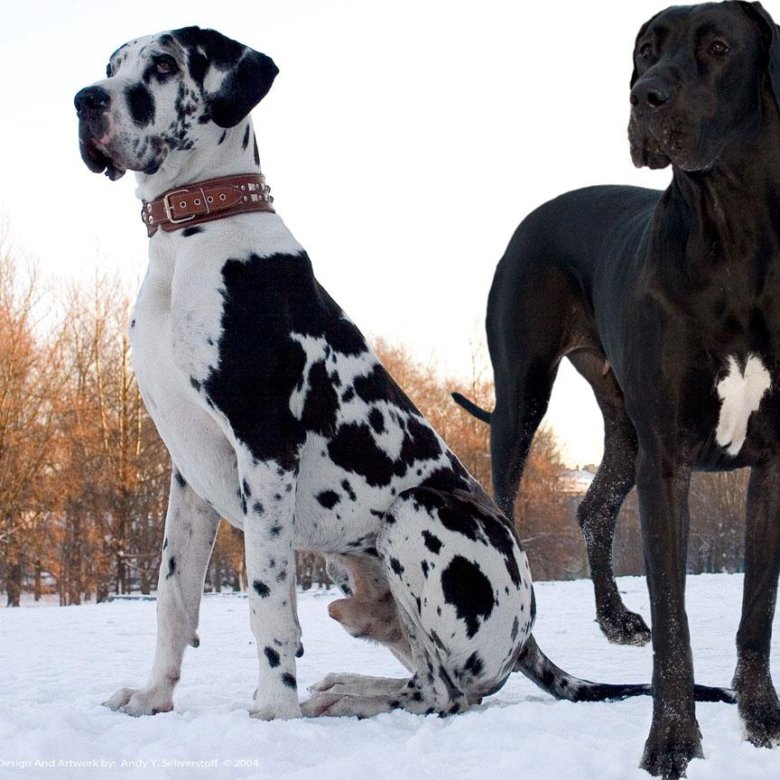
(204, 201)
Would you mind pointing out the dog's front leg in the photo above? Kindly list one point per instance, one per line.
(190, 530)
(758, 702)
(663, 484)
(268, 495)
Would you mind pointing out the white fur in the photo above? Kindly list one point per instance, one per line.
(740, 392)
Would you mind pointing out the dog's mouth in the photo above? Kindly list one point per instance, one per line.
(661, 142)
(98, 158)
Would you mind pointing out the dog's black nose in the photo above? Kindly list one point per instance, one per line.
(650, 92)
(92, 99)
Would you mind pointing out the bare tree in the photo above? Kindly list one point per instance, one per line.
(29, 381)
(116, 467)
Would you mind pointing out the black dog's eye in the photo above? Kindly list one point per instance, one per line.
(109, 71)
(165, 65)
(646, 51)
(718, 48)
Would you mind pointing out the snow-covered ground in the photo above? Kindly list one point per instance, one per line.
(58, 664)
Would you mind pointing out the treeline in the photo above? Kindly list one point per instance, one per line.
(84, 476)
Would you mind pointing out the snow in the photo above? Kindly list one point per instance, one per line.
(57, 665)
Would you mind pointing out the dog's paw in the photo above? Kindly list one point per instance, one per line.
(625, 628)
(146, 701)
(668, 750)
(276, 711)
(761, 719)
(327, 682)
(320, 704)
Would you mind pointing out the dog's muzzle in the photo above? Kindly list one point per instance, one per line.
(92, 105)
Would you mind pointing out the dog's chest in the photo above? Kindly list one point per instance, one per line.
(174, 333)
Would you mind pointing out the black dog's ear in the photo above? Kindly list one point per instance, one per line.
(642, 30)
(233, 77)
(771, 37)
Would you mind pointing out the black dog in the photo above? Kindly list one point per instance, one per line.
(669, 305)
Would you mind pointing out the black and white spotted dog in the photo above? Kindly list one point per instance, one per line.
(280, 419)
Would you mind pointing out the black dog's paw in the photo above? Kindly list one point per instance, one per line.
(669, 749)
(761, 718)
(759, 706)
(624, 628)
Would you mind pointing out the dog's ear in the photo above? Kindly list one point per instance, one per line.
(233, 77)
(642, 30)
(771, 37)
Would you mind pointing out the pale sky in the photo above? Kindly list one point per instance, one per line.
(403, 142)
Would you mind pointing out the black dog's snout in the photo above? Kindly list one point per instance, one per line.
(92, 99)
(651, 93)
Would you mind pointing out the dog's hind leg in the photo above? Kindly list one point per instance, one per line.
(758, 702)
(190, 530)
(463, 593)
(598, 510)
(534, 315)
(523, 384)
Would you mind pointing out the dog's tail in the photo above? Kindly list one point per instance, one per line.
(539, 669)
(472, 408)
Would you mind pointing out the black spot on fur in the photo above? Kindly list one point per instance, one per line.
(322, 403)
(258, 508)
(245, 140)
(378, 385)
(140, 104)
(420, 442)
(171, 567)
(256, 151)
(424, 567)
(180, 481)
(247, 490)
(376, 420)
(195, 384)
(396, 567)
(353, 448)
(290, 681)
(348, 489)
(272, 656)
(259, 365)
(433, 543)
(466, 588)
(474, 664)
(328, 498)
(192, 231)
(261, 589)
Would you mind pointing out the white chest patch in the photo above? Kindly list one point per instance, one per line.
(740, 392)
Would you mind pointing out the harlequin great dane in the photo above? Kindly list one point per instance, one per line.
(280, 419)
(669, 305)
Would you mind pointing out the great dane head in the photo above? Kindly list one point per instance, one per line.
(701, 74)
(174, 91)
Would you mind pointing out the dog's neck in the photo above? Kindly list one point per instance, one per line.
(738, 194)
(234, 153)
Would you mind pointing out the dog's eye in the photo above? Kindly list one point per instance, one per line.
(646, 51)
(718, 48)
(165, 65)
